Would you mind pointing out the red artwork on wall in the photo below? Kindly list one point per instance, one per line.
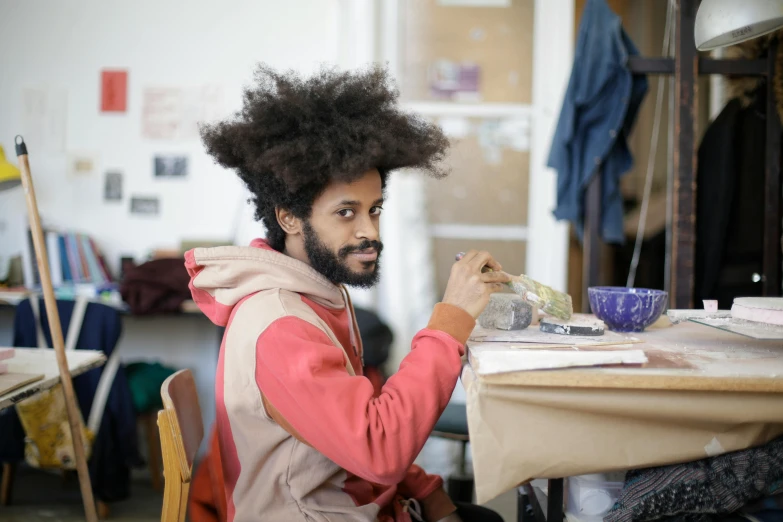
(114, 91)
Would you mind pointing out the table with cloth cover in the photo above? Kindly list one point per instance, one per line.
(704, 392)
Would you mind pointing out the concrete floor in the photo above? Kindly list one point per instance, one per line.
(40, 496)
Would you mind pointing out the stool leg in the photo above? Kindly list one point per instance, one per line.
(153, 450)
(7, 486)
(103, 510)
(463, 459)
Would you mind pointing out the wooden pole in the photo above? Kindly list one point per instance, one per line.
(56, 331)
(772, 196)
(683, 238)
(591, 240)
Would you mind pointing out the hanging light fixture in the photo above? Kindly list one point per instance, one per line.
(727, 22)
(10, 176)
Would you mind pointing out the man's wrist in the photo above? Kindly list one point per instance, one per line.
(437, 505)
(452, 320)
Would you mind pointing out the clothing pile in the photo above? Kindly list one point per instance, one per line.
(738, 486)
(730, 208)
(159, 286)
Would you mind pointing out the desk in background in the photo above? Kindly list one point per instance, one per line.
(44, 362)
(704, 392)
(181, 340)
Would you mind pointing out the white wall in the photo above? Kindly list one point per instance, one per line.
(59, 46)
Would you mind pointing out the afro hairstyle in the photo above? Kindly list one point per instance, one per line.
(294, 136)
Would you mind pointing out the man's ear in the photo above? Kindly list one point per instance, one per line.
(288, 222)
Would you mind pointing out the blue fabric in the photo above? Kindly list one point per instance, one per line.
(115, 448)
(599, 109)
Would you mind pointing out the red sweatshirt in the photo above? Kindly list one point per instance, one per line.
(302, 435)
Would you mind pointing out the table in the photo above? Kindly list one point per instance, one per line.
(704, 392)
(43, 361)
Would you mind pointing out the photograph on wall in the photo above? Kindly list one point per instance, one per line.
(82, 164)
(457, 81)
(171, 166)
(112, 186)
(145, 206)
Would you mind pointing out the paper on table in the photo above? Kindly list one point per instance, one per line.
(536, 336)
(506, 361)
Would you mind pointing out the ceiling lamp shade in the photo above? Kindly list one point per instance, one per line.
(727, 22)
(9, 175)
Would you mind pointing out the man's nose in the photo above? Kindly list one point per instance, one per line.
(367, 228)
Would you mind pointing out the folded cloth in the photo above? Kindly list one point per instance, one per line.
(700, 491)
(159, 286)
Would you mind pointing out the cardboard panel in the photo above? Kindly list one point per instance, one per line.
(499, 40)
(510, 254)
(488, 185)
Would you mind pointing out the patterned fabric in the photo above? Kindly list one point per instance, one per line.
(700, 491)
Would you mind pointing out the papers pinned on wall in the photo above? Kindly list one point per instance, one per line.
(44, 118)
(173, 113)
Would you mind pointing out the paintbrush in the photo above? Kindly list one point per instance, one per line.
(543, 297)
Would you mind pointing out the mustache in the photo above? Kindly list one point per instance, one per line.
(364, 245)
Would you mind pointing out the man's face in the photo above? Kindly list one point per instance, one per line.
(342, 236)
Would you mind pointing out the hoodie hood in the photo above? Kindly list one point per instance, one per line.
(221, 277)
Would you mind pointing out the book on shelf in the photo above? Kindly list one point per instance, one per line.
(74, 259)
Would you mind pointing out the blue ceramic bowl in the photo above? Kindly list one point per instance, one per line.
(627, 309)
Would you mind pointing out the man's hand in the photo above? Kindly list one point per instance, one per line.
(469, 287)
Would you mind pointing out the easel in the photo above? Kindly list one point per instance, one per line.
(55, 328)
(686, 66)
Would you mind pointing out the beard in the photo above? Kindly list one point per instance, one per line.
(335, 266)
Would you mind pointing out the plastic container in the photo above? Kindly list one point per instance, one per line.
(590, 497)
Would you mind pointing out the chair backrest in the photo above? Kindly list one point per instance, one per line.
(181, 432)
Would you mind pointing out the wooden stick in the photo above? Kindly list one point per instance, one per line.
(56, 331)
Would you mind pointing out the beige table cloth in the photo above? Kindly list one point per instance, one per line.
(704, 392)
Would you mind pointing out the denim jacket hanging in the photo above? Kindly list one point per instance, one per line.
(599, 109)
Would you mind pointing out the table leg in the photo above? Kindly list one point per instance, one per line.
(528, 502)
(555, 500)
(535, 506)
(525, 511)
(6, 489)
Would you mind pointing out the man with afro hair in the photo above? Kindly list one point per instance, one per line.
(302, 435)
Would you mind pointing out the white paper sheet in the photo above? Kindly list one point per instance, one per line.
(506, 361)
(173, 113)
(44, 113)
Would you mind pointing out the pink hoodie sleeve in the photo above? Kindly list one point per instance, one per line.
(303, 375)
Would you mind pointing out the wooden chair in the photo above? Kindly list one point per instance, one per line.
(181, 432)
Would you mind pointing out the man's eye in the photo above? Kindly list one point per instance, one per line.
(376, 211)
(346, 213)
